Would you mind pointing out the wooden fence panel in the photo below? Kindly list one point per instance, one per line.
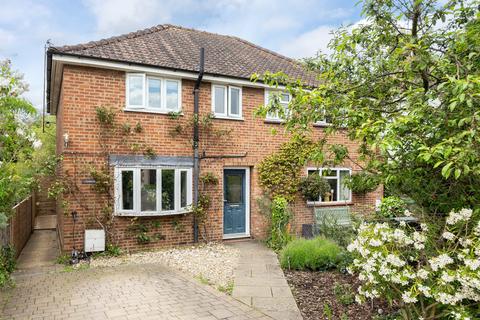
(20, 225)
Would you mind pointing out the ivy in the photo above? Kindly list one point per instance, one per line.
(280, 172)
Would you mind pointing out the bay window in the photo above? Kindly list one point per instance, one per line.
(152, 94)
(152, 191)
(336, 178)
(226, 101)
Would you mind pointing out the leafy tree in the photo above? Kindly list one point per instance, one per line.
(405, 83)
(18, 141)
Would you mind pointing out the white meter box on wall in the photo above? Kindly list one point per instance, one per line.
(94, 240)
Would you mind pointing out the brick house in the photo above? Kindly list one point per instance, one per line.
(144, 78)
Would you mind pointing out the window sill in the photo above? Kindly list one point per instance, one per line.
(329, 204)
(151, 214)
(321, 124)
(228, 118)
(274, 121)
(152, 111)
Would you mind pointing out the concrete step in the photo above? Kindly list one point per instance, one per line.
(45, 222)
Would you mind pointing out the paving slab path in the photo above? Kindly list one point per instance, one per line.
(260, 282)
(147, 291)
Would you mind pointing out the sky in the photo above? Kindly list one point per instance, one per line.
(296, 29)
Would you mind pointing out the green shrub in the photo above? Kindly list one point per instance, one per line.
(279, 219)
(313, 186)
(362, 182)
(392, 207)
(312, 254)
(329, 228)
(7, 264)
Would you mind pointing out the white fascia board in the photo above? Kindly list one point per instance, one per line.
(131, 67)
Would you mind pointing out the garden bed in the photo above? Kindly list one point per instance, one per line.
(331, 295)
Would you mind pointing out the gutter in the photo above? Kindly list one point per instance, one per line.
(196, 139)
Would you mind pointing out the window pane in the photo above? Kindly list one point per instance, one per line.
(127, 190)
(235, 101)
(148, 182)
(135, 90)
(344, 191)
(168, 189)
(284, 97)
(332, 195)
(219, 100)
(172, 95)
(234, 189)
(183, 189)
(154, 93)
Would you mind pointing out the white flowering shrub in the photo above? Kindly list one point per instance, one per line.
(430, 274)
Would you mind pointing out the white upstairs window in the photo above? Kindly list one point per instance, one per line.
(152, 94)
(227, 101)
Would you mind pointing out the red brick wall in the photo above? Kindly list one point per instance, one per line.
(86, 88)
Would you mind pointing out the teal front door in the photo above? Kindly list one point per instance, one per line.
(234, 202)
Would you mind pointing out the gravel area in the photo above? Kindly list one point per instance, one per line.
(213, 263)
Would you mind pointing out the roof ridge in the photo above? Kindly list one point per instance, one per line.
(113, 39)
(238, 39)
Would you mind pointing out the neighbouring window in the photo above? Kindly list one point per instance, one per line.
(336, 178)
(283, 99)
(152, 191)
(227, 101)
(151, 93)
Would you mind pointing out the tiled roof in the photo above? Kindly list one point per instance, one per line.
(178, 48)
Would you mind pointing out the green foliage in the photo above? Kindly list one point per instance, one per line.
(392, 207)
(105, 115)
(362, 182)
(329, 228)
(113, 250)
(279, 173)
(228, 288)
(149, 152)
(313, 186)
(209, 178)
(138, 127)
(144, 231)
(103, 180)
(200, 210)
(278, 215)
(312, 254)
(327, 311)
(404, 84)
(19, 141)
(344, 294)
(7, 264)
(63, 258)
(177, 225)
(126, 128)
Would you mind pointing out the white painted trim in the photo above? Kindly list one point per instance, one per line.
(320, 169)
(131, 67)
(247, 203)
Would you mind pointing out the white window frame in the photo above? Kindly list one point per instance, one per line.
(337, 176)
(136, 211)
(163, 94)
(127, 89)
(275, 117)
(228, 102)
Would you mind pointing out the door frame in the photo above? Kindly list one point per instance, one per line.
(247, 203)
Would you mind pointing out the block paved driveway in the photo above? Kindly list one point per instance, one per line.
(123, 292)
